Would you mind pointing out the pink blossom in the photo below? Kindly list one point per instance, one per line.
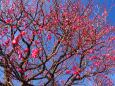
(8, 20)
(26, 50)
(49, 37)
(76, 72)
(35, 53)
(105, 13)
(14, 41)
(20, 56)
(10, 11)
(68, 71)
(23, 33)
(96, 63)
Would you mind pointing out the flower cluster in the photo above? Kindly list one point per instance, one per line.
(35, 52)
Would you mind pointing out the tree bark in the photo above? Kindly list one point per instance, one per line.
(26, 84)
(7, 72)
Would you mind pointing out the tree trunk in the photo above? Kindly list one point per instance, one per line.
(7, 73)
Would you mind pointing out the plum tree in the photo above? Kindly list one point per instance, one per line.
(55, 43)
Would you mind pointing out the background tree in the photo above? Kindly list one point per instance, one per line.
(55, 43)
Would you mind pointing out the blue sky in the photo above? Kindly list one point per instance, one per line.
(110, 5)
